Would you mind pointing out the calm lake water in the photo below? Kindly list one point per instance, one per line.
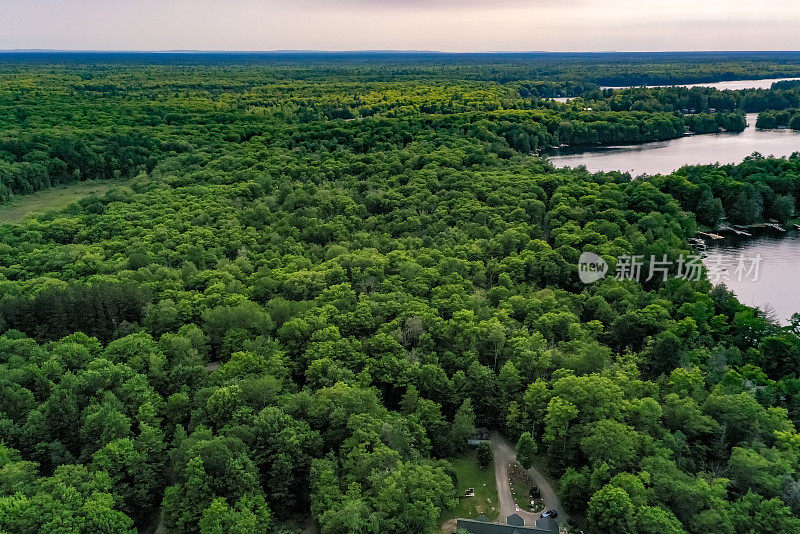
(777, 284)
(666, 156)
(732, 85)
(774, 285)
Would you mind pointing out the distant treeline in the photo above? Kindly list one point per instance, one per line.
(101, 122)
(605, 69)
(694, 99)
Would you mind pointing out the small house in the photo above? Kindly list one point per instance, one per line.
(516, 520)
(480, 434)
(514, 524)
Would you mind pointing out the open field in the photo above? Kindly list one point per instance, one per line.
(471, 475)
(55, 198)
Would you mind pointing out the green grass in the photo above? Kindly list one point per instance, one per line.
(521, 485)
(55, 198)
(470, 475)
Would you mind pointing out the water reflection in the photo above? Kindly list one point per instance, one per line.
(732, 85)
(777, 287)
(666, 156)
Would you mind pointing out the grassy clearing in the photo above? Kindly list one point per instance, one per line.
(55, 198)
(470, 475)
(521, 485)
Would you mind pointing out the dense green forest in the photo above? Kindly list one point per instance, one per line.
(314, 280)
(784, 118)
(693, 99)
(576, 70)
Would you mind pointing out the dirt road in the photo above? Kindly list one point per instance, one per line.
(504, 454)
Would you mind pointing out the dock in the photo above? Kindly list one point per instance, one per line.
(776, 226)
(735, 229)
(711, 236)
(773, 225)
(738, 231)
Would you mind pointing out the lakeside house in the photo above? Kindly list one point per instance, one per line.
(514, 524)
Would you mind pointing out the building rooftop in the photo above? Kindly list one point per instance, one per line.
(480, 434)
(515, 524)
(515, 519)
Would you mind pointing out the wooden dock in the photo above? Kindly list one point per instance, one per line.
(711, 236)
(735, 229)
(776, 226)
(740, 230)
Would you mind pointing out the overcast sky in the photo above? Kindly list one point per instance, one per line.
(447, 25)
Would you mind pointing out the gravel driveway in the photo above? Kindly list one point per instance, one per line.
(504, 454)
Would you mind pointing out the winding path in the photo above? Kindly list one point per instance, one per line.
(504, 455)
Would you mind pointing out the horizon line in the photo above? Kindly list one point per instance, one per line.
(373, 51)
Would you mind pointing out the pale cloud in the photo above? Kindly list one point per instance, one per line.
(449, 25)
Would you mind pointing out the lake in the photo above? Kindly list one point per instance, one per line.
(663, 157)
(732, 85)
(776, 285)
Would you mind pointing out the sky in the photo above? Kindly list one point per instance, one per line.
(443, 25)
